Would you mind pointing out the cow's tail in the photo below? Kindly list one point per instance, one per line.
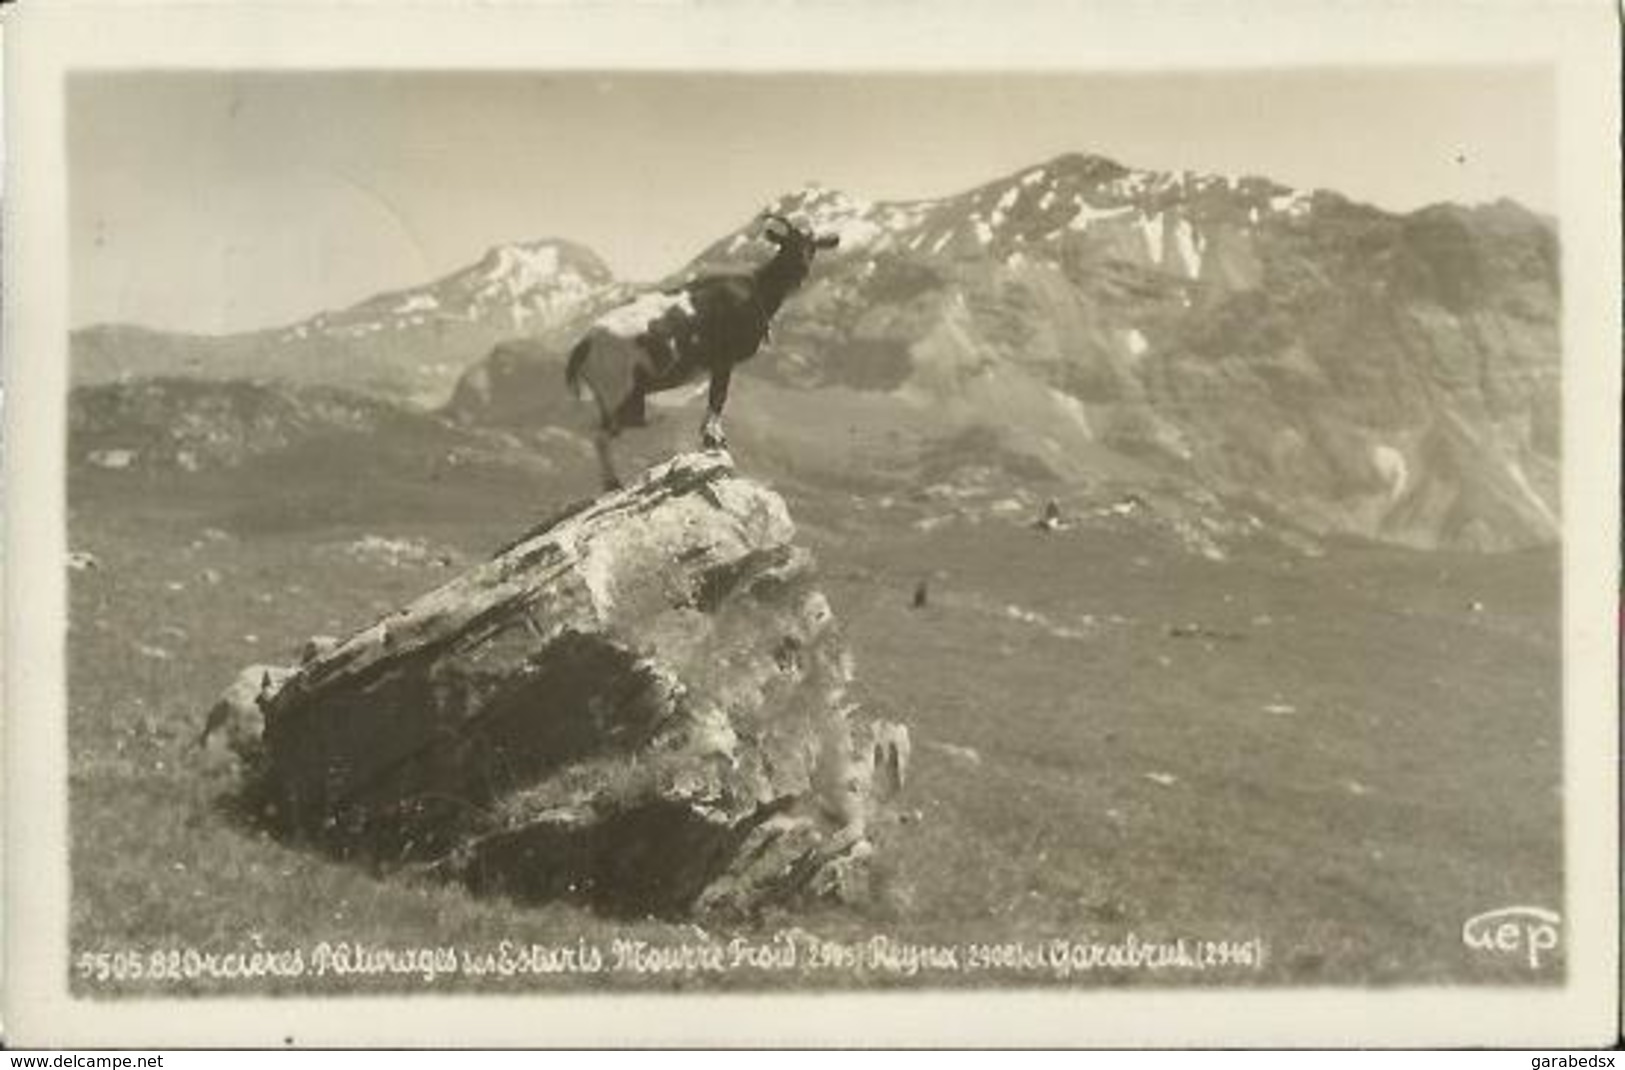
(572, 368)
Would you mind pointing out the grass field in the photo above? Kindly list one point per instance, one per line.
(1342, 757)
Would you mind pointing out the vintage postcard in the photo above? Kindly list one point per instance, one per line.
(932, 524)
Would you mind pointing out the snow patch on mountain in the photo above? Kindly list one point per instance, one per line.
(1085, 214)
(1151, 230)
(418, 302)
(857, 222)
(1186, 244)
(518, 270)
(526, 284)
(513, 286)
(1295, 203)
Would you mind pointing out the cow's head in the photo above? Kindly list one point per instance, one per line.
(797, 247)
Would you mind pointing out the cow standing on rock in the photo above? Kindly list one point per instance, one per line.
(660, 341)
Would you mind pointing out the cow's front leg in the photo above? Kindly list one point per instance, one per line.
(712, 437)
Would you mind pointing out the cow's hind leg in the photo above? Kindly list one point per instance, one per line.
(606, 464)
(630, 413)
(606, 425)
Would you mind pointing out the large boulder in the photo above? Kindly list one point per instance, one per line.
(644, 703)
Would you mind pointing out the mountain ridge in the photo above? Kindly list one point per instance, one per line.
(1387, 375)
(409, 344)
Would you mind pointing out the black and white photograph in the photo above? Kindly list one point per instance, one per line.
(618, 529)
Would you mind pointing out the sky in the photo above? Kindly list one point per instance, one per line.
(215, 202)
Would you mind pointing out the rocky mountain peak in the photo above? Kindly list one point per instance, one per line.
(1039, 210)
(1086, 166)
(528, 264)
(512, 287)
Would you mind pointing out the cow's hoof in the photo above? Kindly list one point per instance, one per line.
(714, 442)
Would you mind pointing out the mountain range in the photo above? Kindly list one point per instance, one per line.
(408, 345)
(1356, 371)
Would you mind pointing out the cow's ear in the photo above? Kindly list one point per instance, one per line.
(828, 241)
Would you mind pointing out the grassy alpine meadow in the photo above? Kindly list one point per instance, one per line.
(1312, 770)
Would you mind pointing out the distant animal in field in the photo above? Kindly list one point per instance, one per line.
(1051, 520)
(922, 594)
(664, 340)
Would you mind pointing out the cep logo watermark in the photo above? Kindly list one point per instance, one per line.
(1526, 931)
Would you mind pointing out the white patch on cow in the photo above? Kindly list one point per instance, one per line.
(1151, 230)
(1185, 244)
(1046, 200)
(984, 233)
(417, 303)
(633, 318)
(936, 246)
(1035, 175)
(1015, 260)
(1252, 215)
(1008, 201)
(1390, 464)
(1137, 345)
